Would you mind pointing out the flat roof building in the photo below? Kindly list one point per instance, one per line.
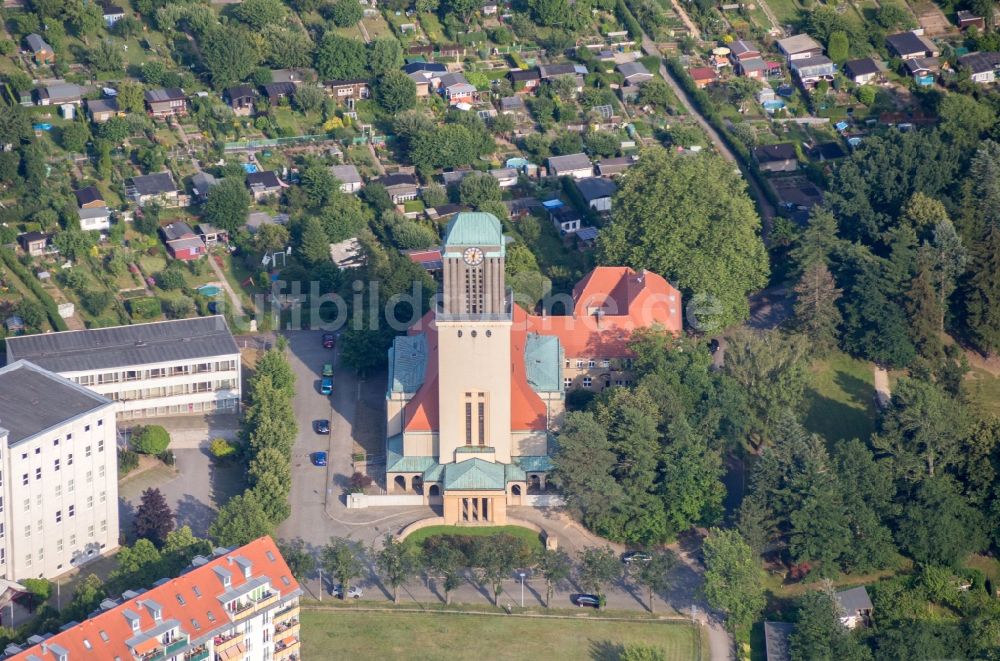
(154, 369)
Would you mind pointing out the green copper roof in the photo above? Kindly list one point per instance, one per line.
(474, 475)
(514, 473)
(471, 228)
(434, 473)
(395, 462)
(543, 362)
(534, 464)
(407, 362)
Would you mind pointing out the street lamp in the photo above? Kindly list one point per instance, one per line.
(521, 574)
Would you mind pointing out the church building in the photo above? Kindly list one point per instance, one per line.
(478, 385)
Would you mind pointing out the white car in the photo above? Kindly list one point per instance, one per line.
(354, 592)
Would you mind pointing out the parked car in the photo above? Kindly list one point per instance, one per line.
(326, 386)
(322, 426)
(582, 600)
(318, 458)
(353, 593)
(628, 557)
(329, 339)
(327, 369)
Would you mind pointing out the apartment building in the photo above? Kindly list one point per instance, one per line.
(239, 605)
(155, 369)
(58, 474)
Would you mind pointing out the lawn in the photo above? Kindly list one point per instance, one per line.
(529, 537)
(983, 389)
(788, 12)
(840, 397)
(447, 636)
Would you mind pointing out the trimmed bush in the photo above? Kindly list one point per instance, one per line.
(128, 461)
(151, 439)
(222, 449)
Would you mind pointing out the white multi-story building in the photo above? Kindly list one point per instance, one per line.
(242, 605)
(154, 369)
(58, 471)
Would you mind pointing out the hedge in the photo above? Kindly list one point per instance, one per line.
(32, 283)
(628, 20)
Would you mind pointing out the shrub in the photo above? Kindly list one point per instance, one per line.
(221, 448)
(151, 439)
(128, 461)
(145, 307)
(167, 457)
(358, 483)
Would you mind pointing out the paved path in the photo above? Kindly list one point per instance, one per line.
(234, 298)
(883, 394)
(692, 28)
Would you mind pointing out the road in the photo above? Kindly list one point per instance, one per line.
(766, 210)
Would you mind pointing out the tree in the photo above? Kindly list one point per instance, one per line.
(240, 521)
(656, 92)
(309, 97)
(96, 302)
(260, 13)
(385, 54)
(891, 17)
(964, 119)
(819, 635)
(602, 143)
(75, 136)
(463, 8)
(107, 56)
(149, 439)
(477, 188)
(229, 54)
(345, 13)
(395, 91)
(496, 560)
(271, 238)
(299, 560)
(816, 312)
(554, 565)
(153, 518)
(227, 204)
(396, 563)
(838, 47)
(733, 579)
(130, 97)
(598, 567)
(582, 465)
(653, 574)
(667, 209)
(938, 527)
(341, 558)
(340, 57)
(171, 277)
(448, 561)
(314, 245)
(550, 12)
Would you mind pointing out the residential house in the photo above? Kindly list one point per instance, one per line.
(342, 90)
(781, 157)
(813, 70)
(95, 218)
(967, 19)
(40, 49)
(257, 219)
(982, 67)
(577, 166)
(275, 92)
(182, 242)
(426, 75)
(456, 89)
(863, 71)
(703, 76)
(54, 432)
(741, 50)
(348, 176)
(855, 607)
(101, 110)
(455, 177)
(564, 217)
(910, 45)
(443, 212)
(401, 187)
(59, 94)
(524, 80)
(799, 47)
(776, 640)
(552, 72)
(512, 105)
(240, 98)
(597, 192)
(201, 183)
(430, 259)
(166, 102)
(923, 69)
(263, 184)
(111, 13)
(89, 198)
(212, 235)
(754, 67)
(506, 177)
(634, 72)
(611, 167)
(34, 243)
(240, 603)
(157, 187)
(522, 206)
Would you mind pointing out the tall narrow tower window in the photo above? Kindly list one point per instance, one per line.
(482, 421)
(468, 422)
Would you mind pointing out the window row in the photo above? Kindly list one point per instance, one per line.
(156, 373)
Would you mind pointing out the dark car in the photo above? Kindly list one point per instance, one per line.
(628, 557)
(329, 339)
(582, 600)
(322, 426)
(318, 458)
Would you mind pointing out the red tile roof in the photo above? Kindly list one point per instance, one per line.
(192, 615)
(702, 73)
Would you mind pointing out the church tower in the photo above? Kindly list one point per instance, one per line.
(474, 346)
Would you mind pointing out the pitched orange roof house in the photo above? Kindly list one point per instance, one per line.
(207, 609)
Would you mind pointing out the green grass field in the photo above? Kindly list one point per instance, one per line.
(529, 537)
(983, 389)
(840, 398)
(448, 636)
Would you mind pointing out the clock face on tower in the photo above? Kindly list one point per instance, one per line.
(473, 256)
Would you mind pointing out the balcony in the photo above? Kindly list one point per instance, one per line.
(288, 613)
(251, 607)
(283, 631)
(288, 650)
(199, 655)
(223, 643)
(169, 651)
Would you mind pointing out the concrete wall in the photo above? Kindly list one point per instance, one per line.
(362, 501)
